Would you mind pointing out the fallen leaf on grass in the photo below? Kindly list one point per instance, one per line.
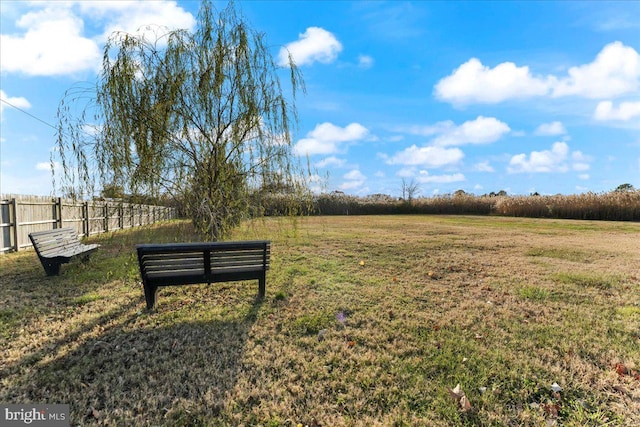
(620, 389)
(351, 344)
(458, 395)
(622, 370)
(556, 388)
(464, 403)
(551, 409)
(361, 263)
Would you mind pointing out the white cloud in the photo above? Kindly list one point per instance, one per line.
(584, 176)
(624, 112)
(395, 138)
(53, 44)
(407, 172)
(135, 16)
(46, 166)
(430, 156)
(331, 161)
(355, 180)
(424, 178)
(553, 160)
(614, 72)
(17, 101)
(483, 167)
(314, 45)
(55, 39)
(365, 61)
(557, 160)
(354, 175)
(429, 130)
(580, 161)
(550, 129)
(482, 130)
(326, 138)
(474, 82)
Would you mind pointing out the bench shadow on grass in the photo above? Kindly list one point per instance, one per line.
(127, 366)
(175, 374)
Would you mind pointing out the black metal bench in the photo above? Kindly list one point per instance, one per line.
(56, 247)
(192, 263)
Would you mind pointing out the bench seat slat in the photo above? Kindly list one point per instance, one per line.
(68, 252)
(192, 277)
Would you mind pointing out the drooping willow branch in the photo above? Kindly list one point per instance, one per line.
(201, 115)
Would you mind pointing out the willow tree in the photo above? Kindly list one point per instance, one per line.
(199, 115)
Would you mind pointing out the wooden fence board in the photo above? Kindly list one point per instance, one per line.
(21, 215)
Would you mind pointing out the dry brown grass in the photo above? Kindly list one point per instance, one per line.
(367, 321)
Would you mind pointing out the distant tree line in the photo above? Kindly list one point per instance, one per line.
(621, 204)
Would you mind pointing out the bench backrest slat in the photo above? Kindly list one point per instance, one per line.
(192, 257)
(56, 240)
(152, 263)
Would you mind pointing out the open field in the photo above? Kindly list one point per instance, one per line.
(367, 321)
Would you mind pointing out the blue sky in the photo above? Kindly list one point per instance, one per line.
(478, 96)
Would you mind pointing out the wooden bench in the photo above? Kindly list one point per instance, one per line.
(56, 247)
(192, 263)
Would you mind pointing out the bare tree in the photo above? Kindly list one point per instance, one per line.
(409, 190)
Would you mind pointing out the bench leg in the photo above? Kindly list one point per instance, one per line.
(150, 293)
(262, 285)
(51, 269)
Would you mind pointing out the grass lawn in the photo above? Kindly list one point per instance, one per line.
(367, 321)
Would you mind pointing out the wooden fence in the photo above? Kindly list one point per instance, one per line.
(21, 215)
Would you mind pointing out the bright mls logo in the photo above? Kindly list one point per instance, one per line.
(36, 415)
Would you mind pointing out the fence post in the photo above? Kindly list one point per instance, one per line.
(120, 216)
(85, 218)
(58, 212)
(13, 218)
(105, 221)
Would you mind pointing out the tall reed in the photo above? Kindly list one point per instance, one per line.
(611, 206)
